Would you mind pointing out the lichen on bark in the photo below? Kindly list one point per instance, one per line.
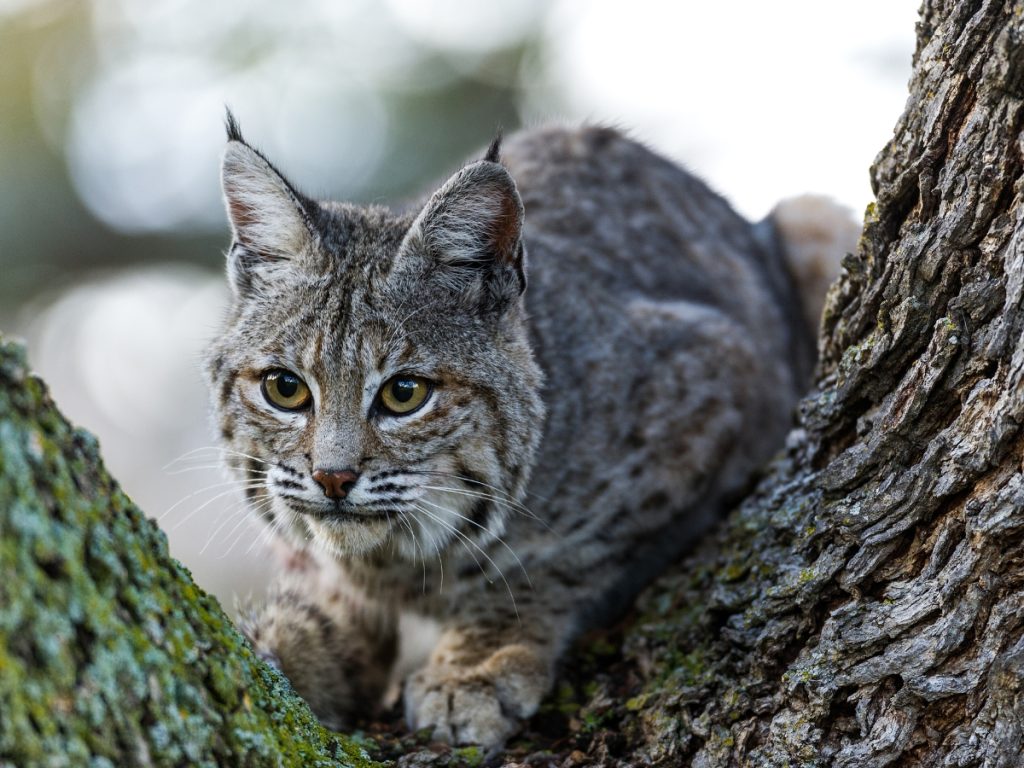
(110, 655)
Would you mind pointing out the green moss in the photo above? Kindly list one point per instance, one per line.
(471, 756)
(563, 700)
(109, 654)
(733, 571)
(598, 714)
(636, 703)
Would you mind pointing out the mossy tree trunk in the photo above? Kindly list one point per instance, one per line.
(864, 607)
(110, 656)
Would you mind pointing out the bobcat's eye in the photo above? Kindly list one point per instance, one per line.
(404, 394)
(285, 390)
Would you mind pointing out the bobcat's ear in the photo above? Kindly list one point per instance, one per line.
(271, 222)
(471, 229)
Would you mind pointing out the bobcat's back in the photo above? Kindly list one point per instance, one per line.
(673, 341)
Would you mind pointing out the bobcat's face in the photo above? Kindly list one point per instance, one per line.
(374, 384)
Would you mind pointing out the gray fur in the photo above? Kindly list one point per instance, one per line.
(582, 430)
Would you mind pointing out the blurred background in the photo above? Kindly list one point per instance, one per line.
(112, 231)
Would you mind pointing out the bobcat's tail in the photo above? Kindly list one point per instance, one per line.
(815, 233)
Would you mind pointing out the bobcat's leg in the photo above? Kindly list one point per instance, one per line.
(335, 648)
(483, 678)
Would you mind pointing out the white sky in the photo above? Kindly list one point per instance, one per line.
(764, 100)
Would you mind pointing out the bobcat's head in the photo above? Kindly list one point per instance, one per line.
(373, 382)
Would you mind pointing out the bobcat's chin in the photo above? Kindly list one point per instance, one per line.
(349, 534)
(337, 530)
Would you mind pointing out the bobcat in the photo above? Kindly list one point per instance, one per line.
(507, 408)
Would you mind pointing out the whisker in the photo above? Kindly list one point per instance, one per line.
(216, 466)
(403, 518)
(391, 336)
(221, 450)
(210, 501)
(507, 499)
(481, 495)
(465, 538)
(266, 535)
(514, 505)
(245, 518)
(239, 514)
(486, 530)
(474, 482)
(237, 483)
(461, 540)
(240, 509)
(437, 551)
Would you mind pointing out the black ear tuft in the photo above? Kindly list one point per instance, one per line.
(234, 132)
(272, 224)
(494, 150)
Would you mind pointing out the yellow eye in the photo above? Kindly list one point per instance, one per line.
(404, 394)
(285, 390)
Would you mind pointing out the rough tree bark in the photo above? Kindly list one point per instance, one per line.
(864, 607)
(110, 655)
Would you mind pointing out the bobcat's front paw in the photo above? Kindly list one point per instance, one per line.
(331, 659)
(481, 704)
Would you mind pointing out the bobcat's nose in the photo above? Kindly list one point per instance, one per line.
(336, 482)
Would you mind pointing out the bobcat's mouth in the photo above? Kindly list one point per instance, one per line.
(346, 530)
(340, 511)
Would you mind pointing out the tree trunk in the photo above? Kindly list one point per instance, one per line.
(864, 607)
(110, 656)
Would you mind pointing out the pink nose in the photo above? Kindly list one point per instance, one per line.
(336, 482)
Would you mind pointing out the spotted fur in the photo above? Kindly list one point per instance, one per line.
(613, 352)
